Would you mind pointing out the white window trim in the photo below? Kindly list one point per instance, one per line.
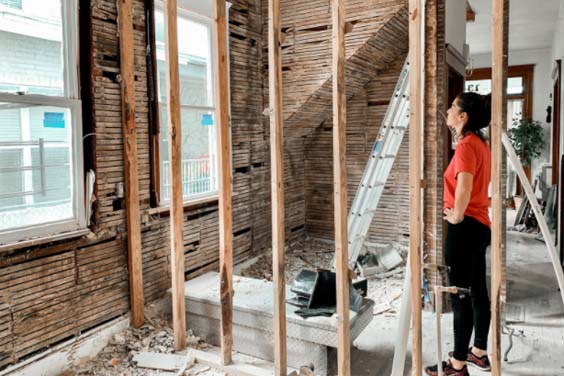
(79, 220)
(70, 45)
(203, 15)
(70, 101)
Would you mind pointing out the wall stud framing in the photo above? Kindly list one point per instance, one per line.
(225, 199)
(340, 187)
(415, 171)
(500, 23)
(133, 215)
(277, 185)
(176, 200)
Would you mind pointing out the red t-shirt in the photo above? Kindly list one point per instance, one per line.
(471, 155)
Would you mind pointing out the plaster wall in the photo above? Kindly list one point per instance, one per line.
(456, 24)
(542, 88)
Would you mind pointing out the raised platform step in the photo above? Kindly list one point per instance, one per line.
(307, 339)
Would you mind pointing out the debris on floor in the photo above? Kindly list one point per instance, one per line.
(384, 287)
(309, 254)
(156, 336)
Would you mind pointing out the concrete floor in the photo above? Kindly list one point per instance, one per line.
(534, 306)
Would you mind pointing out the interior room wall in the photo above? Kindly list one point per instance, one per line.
(456, 24)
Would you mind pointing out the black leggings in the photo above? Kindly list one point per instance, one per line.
(465, 257)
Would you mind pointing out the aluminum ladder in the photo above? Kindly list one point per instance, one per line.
(379, 165)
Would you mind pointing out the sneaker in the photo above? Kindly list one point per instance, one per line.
(480, 362)
(448, 370)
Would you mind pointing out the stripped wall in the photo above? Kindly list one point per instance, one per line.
(365, 112)
(51, 292)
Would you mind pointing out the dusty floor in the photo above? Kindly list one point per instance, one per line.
(534, 310)
(315, 253)
(116, 359)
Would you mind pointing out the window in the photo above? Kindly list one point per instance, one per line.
(17, 4)
(514, 86)
(41, 181)
(519, 89)
(197, 101)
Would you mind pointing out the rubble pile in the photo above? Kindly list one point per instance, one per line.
(385, 268)
(116, 359)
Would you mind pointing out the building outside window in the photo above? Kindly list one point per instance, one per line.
(17, 4)
(197, 102)
(41, 180)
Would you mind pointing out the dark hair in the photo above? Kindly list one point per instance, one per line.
(478, 109)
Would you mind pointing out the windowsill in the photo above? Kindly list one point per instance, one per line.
(187, 206)
(43, 240)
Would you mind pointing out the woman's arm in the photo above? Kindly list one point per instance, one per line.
(464, 181)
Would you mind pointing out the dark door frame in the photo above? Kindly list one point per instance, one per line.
(556, 97)
(525, 71)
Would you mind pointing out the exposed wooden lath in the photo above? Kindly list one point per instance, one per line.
(365, 112)
(377, 38)
(51, 292)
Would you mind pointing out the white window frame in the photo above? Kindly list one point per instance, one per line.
(201, 12)
(70, 101)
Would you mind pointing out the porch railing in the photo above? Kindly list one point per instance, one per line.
(196, 178)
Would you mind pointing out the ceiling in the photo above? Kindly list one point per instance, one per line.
(531, 25)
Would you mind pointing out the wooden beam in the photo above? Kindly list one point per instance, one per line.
(277, 185)
(225, 199)
(470, 15)
(415, 148)
(134, 259)
(500, 21)
(176, 200)
(340, 188)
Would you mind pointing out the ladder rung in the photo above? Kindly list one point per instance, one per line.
(359, 236)
(367, 211)
(377, 184)
(387, 156)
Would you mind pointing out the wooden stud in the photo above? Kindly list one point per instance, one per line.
(225, 206)
(133, 215)
(176, 200)
(277, 185)
(340, 187)
(500, 12)
(415, 145)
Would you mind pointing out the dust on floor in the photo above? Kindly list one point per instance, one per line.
(312, 254)
(116, 359)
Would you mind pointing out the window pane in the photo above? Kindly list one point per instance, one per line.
(31, 44)
(36, 177)
(199, 162)
(12, 3)
(515, 85)
(194, 61)
(479, 86)
(514, 112)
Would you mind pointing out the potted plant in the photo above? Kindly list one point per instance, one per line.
(527, 139)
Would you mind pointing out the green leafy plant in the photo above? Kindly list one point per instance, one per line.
(527, 139)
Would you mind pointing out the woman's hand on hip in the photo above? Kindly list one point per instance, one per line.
(451, 217)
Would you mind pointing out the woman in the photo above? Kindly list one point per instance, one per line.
(468, 233)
